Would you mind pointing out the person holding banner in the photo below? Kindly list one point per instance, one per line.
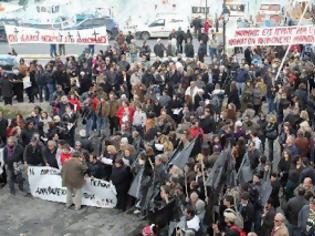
(72, 173)
(13, 156)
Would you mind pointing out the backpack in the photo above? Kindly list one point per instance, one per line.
(239, 222)
(237, 229)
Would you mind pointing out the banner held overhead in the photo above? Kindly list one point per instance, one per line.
(24, 35)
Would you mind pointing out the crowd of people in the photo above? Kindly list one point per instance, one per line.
(219, 148)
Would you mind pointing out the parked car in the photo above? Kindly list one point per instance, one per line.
(111, 25)
(7, 62)
(162, 27)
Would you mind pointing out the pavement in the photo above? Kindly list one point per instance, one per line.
(28, 216)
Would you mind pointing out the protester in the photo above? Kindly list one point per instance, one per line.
(73, 172)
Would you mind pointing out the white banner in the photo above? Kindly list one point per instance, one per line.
(46, 183)
(22, 35)
(271, 36)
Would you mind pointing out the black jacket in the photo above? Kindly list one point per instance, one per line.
(33, 156)
(293, 208)
(159, 50)
(3, 127)
(50, 157)
(121, 178)
(6, 88)
(17, 155)
(189, 50)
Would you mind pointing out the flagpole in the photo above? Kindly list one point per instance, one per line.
(204, 180)
(291, 42)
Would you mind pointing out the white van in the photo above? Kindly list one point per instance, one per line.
(161, 27)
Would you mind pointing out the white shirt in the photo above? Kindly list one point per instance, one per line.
(194, 223)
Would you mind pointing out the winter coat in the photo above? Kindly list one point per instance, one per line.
(72, 173)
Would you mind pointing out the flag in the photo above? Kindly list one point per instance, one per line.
(266, 188)
(245, 173)
(231, 179)
(215, 175)
(134, 189)
(180, 158)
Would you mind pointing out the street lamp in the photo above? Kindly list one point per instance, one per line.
(225, 15)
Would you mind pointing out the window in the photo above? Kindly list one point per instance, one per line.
(156, 23)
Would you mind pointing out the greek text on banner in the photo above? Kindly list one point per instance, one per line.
(46, 183)
(271, 36)
(23, 35)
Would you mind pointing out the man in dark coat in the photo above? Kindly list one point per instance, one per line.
(12, 155)
(7, 91)
(189, 49)
(248, 55)
(121, 178)
(247, 211)
(49, 154)
(3, 128)
(267, 219)
(159, 49)
(33, 154)
(180, 37)
(292, 210)
(202, 51)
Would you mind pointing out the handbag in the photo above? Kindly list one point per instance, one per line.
(272, 135)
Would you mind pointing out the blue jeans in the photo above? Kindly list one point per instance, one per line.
(49, 91)
(240, 88)
(53, 50)
(133, 57)
(101, 124)
(213, 53)
(271, 104)
(89, 126)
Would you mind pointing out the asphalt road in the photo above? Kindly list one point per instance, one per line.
(28, 216)
(43, 49)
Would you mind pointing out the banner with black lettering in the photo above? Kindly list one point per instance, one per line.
(24, 35)
(46, 183)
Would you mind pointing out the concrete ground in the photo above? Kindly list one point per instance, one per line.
(28, 216)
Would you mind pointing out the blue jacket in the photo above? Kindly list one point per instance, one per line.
(241, 76)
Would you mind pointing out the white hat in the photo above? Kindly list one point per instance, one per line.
(56, 119)
(238, 123)
(82, 133)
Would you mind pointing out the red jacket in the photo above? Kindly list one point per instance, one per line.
(75, 102)
(95, 102)
(120, 114)
(195, 132)
(64, 157)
